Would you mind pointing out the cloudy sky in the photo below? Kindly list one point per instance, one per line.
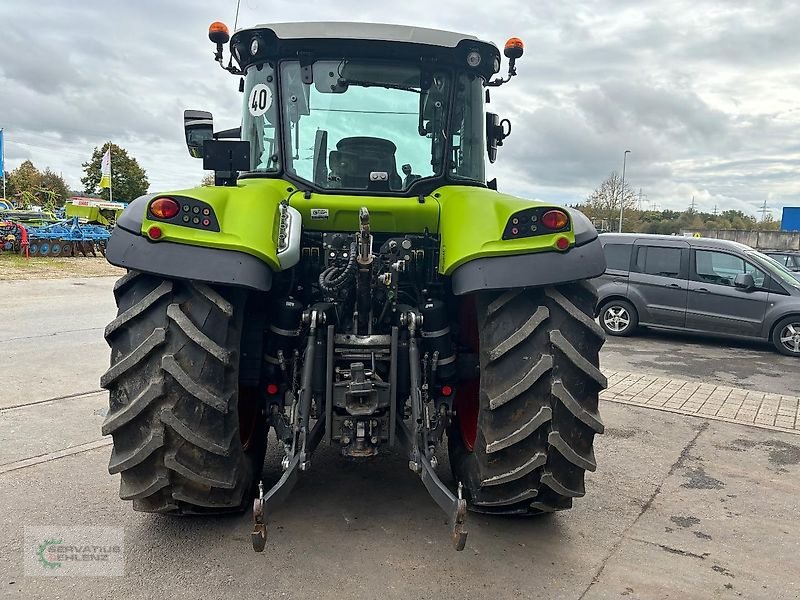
(705, 94)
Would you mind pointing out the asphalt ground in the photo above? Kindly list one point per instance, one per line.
(680, 507)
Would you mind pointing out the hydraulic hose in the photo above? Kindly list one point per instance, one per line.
(333, 279)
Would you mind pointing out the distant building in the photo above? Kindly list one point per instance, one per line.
(790, 221)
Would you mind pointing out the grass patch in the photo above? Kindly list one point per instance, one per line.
(17, 261)
(17, 267)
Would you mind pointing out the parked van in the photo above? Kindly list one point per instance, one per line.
(699, 285)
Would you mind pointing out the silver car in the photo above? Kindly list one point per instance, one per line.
(699, 285)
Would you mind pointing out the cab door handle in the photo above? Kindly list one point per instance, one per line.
(702, 291)
(673, 285)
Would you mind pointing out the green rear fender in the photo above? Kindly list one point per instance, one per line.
(472, 223)
(247, 215)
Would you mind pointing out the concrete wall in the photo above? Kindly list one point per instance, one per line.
(763, 240)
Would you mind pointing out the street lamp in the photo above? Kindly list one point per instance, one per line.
(622, 193)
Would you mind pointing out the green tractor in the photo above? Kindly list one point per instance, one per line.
(353, 278)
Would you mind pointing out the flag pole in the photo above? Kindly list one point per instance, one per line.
(110, 187)
(3, 161)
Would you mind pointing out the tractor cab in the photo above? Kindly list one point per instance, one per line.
(353, 107)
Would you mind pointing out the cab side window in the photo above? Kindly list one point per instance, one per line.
(721, 269)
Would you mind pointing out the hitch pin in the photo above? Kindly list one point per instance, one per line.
(259, 535)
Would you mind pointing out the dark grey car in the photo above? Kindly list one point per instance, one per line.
(699, 285)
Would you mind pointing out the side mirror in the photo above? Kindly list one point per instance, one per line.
(198, 125)
(744, 281)
(496, 132)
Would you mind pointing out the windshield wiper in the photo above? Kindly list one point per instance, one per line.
(389, 86)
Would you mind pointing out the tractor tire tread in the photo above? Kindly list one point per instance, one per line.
(172, 385)
(540, 384)
(138, 308)
(125, 459)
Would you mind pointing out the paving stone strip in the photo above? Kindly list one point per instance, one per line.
(719, 402)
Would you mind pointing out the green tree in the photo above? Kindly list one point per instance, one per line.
(26, 185)
(54, 183)
(696, 221)
(768, 223)
(25, 178)
(128, 179)
(739, 220)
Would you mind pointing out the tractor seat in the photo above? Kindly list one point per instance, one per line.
(356, 157)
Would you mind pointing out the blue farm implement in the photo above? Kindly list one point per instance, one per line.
(64, 238)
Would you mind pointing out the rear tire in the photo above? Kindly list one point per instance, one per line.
(175, 398)
(537, 408)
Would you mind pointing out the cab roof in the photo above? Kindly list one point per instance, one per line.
(368, 40)
(336, 30)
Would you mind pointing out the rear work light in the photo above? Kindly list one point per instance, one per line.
(164, 208)
(555, 219)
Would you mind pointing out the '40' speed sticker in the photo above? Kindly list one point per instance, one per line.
(260, 99)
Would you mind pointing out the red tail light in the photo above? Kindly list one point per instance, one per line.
(555, 219)
(164, 208)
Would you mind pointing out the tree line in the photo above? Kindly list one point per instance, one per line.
(28, 186)
(603, 204)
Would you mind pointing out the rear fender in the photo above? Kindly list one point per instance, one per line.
(240, 248)
(474, 219)
(181, 261)
(247, 215)
(487, 262)
(530, 270)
